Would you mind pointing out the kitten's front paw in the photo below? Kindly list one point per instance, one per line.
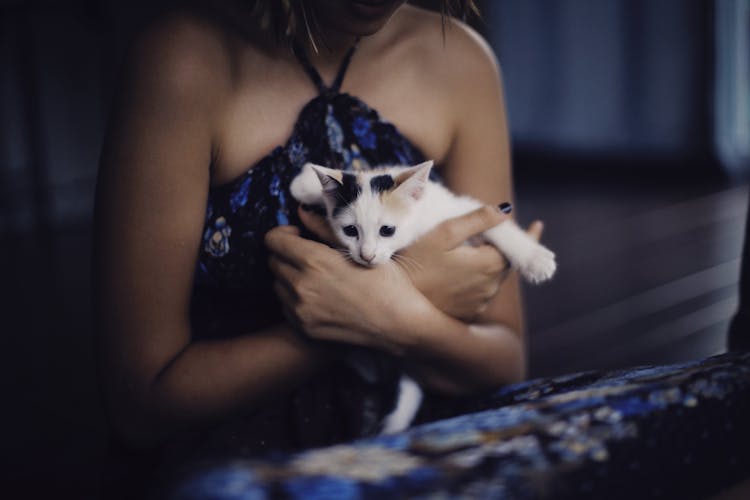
(393, 425)
(539, 266)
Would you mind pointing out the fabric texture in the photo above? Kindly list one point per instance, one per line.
(677, 431)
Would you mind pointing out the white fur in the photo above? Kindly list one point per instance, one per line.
(423, 205)
(407, 405)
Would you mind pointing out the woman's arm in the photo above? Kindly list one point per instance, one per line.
(478, 164)
(150, 208)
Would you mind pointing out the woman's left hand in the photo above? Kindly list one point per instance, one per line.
(331, 298)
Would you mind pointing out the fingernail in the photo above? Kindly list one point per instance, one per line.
(505, 207)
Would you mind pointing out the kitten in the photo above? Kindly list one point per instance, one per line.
(376, 213)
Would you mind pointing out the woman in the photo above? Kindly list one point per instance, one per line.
(188, 341)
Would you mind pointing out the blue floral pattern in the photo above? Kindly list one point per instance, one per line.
(297, 153)
(216, 239)
(363, 132)
(677, 431)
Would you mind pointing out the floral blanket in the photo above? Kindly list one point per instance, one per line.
(677, 431)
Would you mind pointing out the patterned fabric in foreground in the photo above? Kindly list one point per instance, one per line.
(677, 431)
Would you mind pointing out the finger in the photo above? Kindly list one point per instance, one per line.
(318, 225)
(284, 272)
(536, 229)
(490, 259)
(454, 232)
(291, 247)
(482, 307)
(287, 229)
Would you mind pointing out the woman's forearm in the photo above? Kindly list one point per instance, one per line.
(209, 379)
(455, 358)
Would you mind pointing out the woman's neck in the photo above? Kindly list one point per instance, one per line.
(325, 48)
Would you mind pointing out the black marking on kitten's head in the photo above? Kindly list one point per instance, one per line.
(347, 192)
(381, 183)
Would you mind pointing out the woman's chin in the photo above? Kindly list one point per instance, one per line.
(357, 17)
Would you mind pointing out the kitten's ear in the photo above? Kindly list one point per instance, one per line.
(411, 182)
(330, 178)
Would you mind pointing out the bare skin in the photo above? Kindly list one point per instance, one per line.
(199, 105)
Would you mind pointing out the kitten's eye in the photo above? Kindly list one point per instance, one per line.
(387, 231)
(351, 231)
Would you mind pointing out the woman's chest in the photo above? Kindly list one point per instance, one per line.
(262, 114)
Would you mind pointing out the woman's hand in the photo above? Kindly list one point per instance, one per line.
(458, 279)
(329, 298)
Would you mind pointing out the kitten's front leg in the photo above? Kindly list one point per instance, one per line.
(306, 187)
(535, 262)
(408, 402)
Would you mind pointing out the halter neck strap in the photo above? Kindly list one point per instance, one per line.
(301, 56)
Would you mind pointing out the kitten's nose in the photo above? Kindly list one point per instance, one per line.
(367, 257)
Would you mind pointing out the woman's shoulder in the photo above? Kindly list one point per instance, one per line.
(446, 49)
(182, 52)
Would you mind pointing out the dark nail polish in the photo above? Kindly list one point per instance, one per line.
(505, 207)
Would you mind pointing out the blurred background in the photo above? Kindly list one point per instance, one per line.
(630, 122)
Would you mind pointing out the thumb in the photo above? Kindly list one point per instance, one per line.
(456, 231)
(536, 229)
(318, 226)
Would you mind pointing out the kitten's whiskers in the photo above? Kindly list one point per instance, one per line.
(346, 254)
(408, 263)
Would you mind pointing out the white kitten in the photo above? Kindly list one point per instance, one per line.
(376, 213)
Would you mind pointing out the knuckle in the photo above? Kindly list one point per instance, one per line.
(449, 230)
(300, 287)
(268, 239)
(496, 264)
(300, 311)
(480, 308)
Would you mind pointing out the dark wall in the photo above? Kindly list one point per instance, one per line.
(607, 77)
(59, 63)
